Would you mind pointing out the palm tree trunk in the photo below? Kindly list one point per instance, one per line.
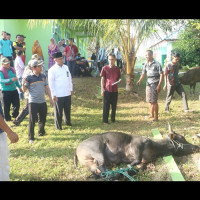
(130, 72)
(129, 82)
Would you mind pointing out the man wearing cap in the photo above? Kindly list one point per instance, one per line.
(37, 85)
(60, 83)
(71, 51)
(6, 48)
(27, 71)
(9, 82)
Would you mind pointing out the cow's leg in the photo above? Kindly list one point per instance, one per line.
(138, 156)
(194, 88)
(96, 164)
(143, 165)
(191, 89)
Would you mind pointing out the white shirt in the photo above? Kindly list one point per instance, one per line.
(60, 81)
(19, 67)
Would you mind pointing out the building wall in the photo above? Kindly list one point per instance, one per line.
(19, 26)
(40, 33)
(163, 51)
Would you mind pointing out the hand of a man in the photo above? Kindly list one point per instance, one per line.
(13, 137)
(55, 99)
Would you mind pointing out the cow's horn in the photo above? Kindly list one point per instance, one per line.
(170, 128)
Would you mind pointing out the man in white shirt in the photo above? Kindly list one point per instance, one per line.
(19, 67)
(60, 83)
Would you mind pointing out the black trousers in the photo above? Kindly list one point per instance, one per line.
(11, 97)
(109, 99)
(170, 92)
(37, 112)
(22, 114)
(62, 105)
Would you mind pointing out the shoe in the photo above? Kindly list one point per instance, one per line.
(167, 111)
(31, 141)
(155, 120)
(41, 134)
(188, 110)
(106, 123)
(69, 124)
(16, 123)
(113, 121)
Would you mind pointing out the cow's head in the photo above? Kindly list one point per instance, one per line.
(180, 146)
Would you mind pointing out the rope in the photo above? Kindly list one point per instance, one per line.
(110, 173)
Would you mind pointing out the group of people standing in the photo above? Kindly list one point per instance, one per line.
(155, 76)
(59, 88)
(69, 53)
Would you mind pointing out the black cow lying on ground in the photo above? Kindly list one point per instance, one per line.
(100, 151)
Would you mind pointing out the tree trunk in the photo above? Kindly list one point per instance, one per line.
(129, 82)
(130, 72)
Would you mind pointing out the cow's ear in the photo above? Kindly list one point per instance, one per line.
(171, 136)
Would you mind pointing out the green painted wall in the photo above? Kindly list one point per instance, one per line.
(19, 26)
(43, 35)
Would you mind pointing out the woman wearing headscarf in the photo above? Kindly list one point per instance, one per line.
(52, 49)
(36, 49)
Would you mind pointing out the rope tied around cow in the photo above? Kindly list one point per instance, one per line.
(109, 174)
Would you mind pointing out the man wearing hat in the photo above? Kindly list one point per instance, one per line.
(9, 82)
(37, 85)
(60, 83)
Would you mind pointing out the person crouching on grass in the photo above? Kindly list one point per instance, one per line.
(37, 85)
(109, 75)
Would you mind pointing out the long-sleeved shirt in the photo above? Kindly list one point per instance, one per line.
(19, 66)
(4, 81)
(6, 48)
(60, 81)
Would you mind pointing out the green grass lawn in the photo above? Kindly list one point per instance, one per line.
(50, 158)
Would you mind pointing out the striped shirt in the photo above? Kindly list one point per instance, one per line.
(36, 86)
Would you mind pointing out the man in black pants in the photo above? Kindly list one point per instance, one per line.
(173, 84)
(110, 74)
(37, 85)
(60, 83)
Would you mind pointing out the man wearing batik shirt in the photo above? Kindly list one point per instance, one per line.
(154, 73)
(173, 84)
